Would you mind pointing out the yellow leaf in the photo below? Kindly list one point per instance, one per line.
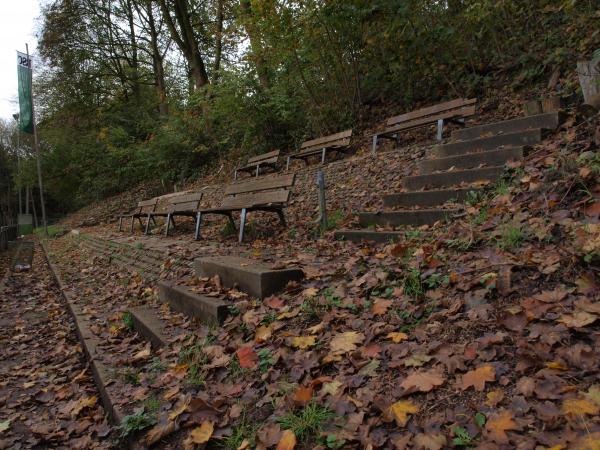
(478, 377)
(590, 441)
(556, 365)
(304, 342)
(203, 433)
(498, 424)
(331, 388)
(142, 354)
(310, 292)
(593, 394)
(263, 333)
(287, 441)
(346, 342)
(86, 402)
(494, 397)
(579, 407)
(181, 407)
(397, 336)
(401, 409)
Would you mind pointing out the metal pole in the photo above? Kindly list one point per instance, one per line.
(36, 145)
(17, 119)
(322, 205)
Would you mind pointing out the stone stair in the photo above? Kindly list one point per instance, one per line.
(477, 155)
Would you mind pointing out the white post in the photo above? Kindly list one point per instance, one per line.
(36, 144)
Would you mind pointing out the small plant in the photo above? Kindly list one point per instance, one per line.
(334, 219)
(269, 319)
(138, 245)
(156, 365)
(233, 310)
(136, 422)
(384, 293)
(235, 370)
(127, 319)
(413, 287)
(228, 230)
(333, 442)
(413, 234)
(462, 438)
(194, 356)
(482, 216)
(436, 280)
(152, 405)
(307, 422)
(461, 244)
(473, 198)
(244, 430)
(292, 233)
(265, 360)
(502, 187)
(130, 376)
(511, 237)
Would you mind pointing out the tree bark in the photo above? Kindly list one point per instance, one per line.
(255, 45)
(157, 64)
(219, 40)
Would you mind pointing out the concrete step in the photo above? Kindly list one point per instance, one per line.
(248, 275)
(426, 198)
(546, 121)
(454, 178)
(209, 310)
(149, 326)
(518, 139)
(380, 237)
(471, 160)
(397, 218)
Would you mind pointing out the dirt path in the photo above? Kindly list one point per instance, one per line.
(47, 394)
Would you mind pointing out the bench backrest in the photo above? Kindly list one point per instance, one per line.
(341, 139)
(185, 202)
(265, 158)
(460, 107)
(146, 206)
(273, 190)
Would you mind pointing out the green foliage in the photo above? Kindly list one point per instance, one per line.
(136, 422)
(512, 236)
(307, 422)
(127, 319)
(265, 360)
(334, 219)
(413, 286)
(462, 438)
(244, 429)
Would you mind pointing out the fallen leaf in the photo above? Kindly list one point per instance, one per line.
(498, 424)
(304, 342)
(5, 425)
(86, 402)
(143, 354)
(303, 395)
(579, 407)
(423, 381)
(203, 433)
(263, 333)
(578, 319)
(478, 377)
(397, 336)
(494, 397)
(247, 357)
(346, 342)
(381, 306)
(287, 441)
(401, 410)
(160, 431)
(430, 441)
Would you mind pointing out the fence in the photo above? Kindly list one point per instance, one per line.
(7, 233)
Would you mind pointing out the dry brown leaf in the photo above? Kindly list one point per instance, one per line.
(498, 424)
(400, 411)
(423, 381)
(380, 307)
(247, 357)
(478, 377)
(578, 319)
(430, 441)
(263, 333)
(579, 407)
(287, 441)
(397, 336)
(346, 342)
(304, 342)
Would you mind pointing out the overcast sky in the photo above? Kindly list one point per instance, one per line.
(18, 22)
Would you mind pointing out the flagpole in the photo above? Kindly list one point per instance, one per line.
(36, 143)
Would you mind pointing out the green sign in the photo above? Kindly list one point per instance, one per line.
(25, 99)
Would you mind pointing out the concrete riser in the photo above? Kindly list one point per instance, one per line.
(471, 160)
(426, 198)
(529, 137)
(250, 276)
(208, 310)
(148, 326)
(447, 179)
(397, 218)
(380, 237)
(548, 121)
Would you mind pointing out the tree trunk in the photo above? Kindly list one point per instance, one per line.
(157, 64)
(255, 45)
(219, 40)
(135, 78)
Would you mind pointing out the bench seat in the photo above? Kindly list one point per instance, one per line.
(142, 209)
(255, 164)
(186, 205)
(339, 142)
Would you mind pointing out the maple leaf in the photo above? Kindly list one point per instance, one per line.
(180, 409)
(263, 333)
(498, 424)
(346, 342)
(86, 402)
(397, 336)
(416, 360)
(593, 394)
(494, 397)
(310, 292)
(304, 342)
(401, 410)
(430, 441)
(423, 381)
(381, 306)
(247, 357)
(159, 431)
(478, 377)
(578, 319)
(303, 395)
(287, 441)
(579, 407)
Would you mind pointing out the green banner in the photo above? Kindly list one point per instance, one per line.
(25, 100)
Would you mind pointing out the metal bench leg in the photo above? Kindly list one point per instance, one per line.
(242, 225)
(198, 222)
(167, 224)
(235, 175)
(323, 156)
(147, 224)
(173, 222)
(287, 165)
(397, 138)
(120, 223)
(257, 169)
(132, 219)
(440, 129)
(281, 217)
(374, 144)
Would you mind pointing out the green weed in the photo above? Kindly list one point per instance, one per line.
(413, 287)
(511, 237)
(307, 422)
(228, 230)
(334, 219)
(245, 429)
(127, 319)
(131, 376)
(265, 360)
(460, 244)
(156, 365)
(436, 280)
(462, 438)
(136, 422)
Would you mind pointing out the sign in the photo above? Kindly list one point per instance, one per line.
(24, 66)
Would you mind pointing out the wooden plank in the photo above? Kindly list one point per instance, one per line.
(327, 139)
(185, 206)
(265, 156)
(263, 184)
(150, 202)
(264, 162)
(417, 123)
(256, 199)
(430, 110)
(317, 150)
(186, 198)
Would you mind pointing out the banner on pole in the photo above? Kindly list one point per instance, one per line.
(24, 67)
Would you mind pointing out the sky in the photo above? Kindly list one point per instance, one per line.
(18, 22)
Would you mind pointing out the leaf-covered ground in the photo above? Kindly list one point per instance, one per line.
(47, 394)
(483, 332)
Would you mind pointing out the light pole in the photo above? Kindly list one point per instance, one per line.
(16, 116)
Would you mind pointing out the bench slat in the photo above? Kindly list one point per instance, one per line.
(186, 198)
(256, 199)
(270, 156)
(430, 110)
(264, 162)
(327, 141)
(185, 206)
(282, 181)
(317, 150)
(415, 123)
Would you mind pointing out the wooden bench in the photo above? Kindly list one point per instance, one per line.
(143, 208)
(186, 205)
(270, 194)
(453, 111)
(256, 163)
(339, 142)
